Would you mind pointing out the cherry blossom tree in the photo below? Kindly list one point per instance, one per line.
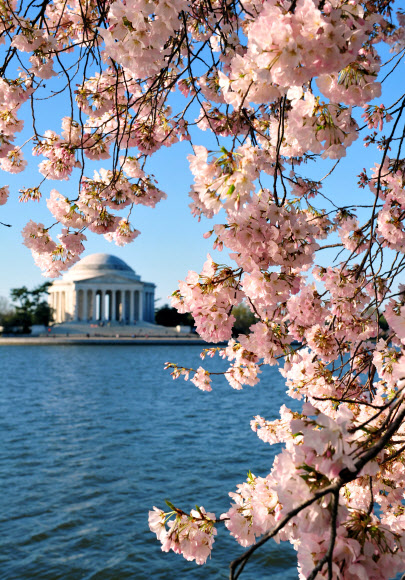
(280, 85)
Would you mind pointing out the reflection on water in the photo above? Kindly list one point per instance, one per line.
(93, 436)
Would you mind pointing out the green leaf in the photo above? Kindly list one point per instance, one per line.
(170, 505)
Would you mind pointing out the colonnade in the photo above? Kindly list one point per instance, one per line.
(108, 305)
(59, 305)
(102, 305)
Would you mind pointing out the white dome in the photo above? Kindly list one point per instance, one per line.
(100, 265)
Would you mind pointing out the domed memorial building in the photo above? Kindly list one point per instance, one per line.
(102, 289)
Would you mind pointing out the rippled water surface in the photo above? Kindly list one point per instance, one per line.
(91, 437)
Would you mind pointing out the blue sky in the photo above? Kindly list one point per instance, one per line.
(171, 240)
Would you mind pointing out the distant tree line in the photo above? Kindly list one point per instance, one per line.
(167, 316)
(31, 307)
(244, 319)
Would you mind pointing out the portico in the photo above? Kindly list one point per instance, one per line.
(102, 289)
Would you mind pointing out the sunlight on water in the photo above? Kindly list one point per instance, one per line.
(94, 436)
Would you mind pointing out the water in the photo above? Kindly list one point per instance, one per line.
(93, 436)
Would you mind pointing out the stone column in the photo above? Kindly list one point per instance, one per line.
(113, 304)
(94, 305)
(62, 305)
(52, 301)
(56, 306)
(84, 313)
(75, 304)
(70, 307)
(102, 305)
(146, 307)
(141, 304)
(124, 305)
(131, 306)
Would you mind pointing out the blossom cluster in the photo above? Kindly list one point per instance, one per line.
(318, 448)
(210, 297)
(191, 535)
(106, 191)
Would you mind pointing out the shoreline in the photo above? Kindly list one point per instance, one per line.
(104, 340)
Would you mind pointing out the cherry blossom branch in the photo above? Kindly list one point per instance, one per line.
(345, 476)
